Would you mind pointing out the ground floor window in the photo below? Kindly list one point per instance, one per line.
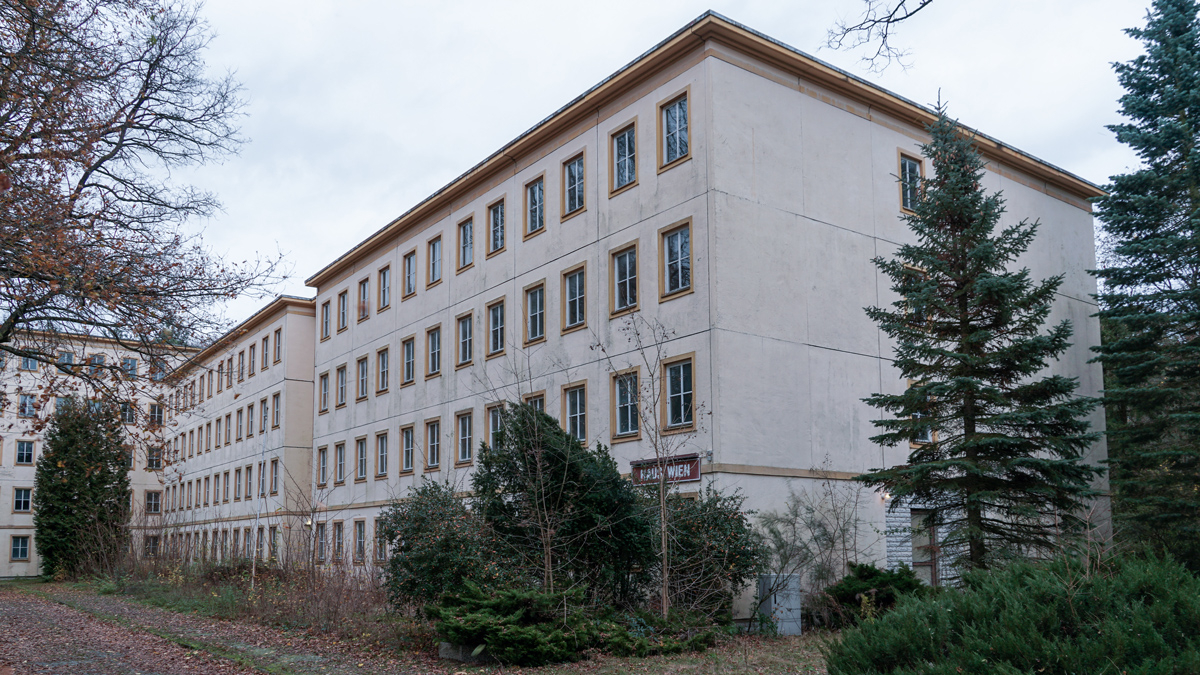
(925, 546)
(20, 548)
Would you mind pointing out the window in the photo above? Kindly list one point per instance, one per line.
(278, 346)
(495, 422)
(433, 431)
(341, 386)
(535, 211)
(466, 244)
(410, 356)
(574, 298)
(535, 314)
(924, 546)
(225, 495)
(274, 476)
(576, 409)
(380, 542)
(210, 384)
(381, 455)
(624, 157)
(435, 261)
(262, 479)
(241, 371)
(228, 373)
(324, 320)
(573, 185)
(624, 267)
(207, 485)
(364, 299)
(674, 130)
(253, 360)
(65, 360)
(677, 261)
(127, 413)
(343, 311)
(537, 402)
(24, 452)
(154, 458)
(26, 406)
(339, 459)
(496, 328)
(679, 393)
(237, 484)
(28, 363)
(320, 536)
(322, 466)
(410, 273)
(265, 350)
(360, 540)
(153, 502)
(20, 548)
(910, 182)
(150, 546)
(228, 429)
(496, 225)
(433, 338)
(323, 392)
(239, 424)
(275, 403)
(625, 398)
(22, 499)
(922, 433)
(464, 437)
(381, 370)
(363, 379)
(360, 459)
(406, 449)
(130, 368)
(465, 345)
(262, 416)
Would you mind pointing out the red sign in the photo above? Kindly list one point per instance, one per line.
(678, 469)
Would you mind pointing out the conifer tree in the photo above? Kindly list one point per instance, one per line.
(997, 442)
(81, 490)
(1150, 299)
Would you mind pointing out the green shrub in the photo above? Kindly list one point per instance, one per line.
(869, 591)
(1130, 616)
(646, 634)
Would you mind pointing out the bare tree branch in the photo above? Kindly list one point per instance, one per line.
(876, 26)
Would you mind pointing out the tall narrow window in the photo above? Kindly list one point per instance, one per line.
(274, 476)
(910, 182)
(433, 443)
(360, 458)
(535, 200)
(464, 437)
(337, 541)
(626, 399)
(322, 393)
(266, 342)
(381, 455)
(324, 320)
(382, 370)
(322, 466)
(496, 328)
(364, 299)
(406, 449)
(23, 500)
(535, 314)
(675, 130)
(241, 370)
(625, 280)
(925, 546)
(495, 420)
(410, 357)
(679, 393)
(385, 287)
(496, 225)
(466, 243)
(624, 158)
(574, 299)
(275, 401)
(237, 484)
(435, 261)
(278, 346)
(360, 540)
(410, 274)
(320, 537)
(434, 339)
(341, 386)
(363, 378)
(339, 462)
(577, 412)
(465, 330)
(343, 310)
(240, 424)
(573, 185)
(677, 260)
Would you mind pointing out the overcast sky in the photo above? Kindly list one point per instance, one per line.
(359, 109)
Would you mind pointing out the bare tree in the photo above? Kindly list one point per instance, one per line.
(876, 26)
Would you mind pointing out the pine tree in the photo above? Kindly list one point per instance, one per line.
(997, 443)
(81, 488)
(1150, 303)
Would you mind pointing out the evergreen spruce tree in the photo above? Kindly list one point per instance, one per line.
(1150, 299)
(997, 443)
(81, 490)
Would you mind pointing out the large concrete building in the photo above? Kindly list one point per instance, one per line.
(724, 192)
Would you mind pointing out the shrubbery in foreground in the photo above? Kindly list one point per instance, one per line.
(1126, 615)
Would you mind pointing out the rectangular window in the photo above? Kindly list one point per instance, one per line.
(380, 542)
(20, 548)
(624, 152)
(410, 358)
(360, 540)
(381, 455)
(433, 440)
(535, 200)
(406, 448)
(364, 299)
(324, 320)
(262, 479)
(495, 421)
(322, 466)
(677, 261)
(360, 459)
(320, 537)
(207, 485)
(30, 363)
(466, 244)
(24, 452)
(266, 341)
(228, 373)
(127, 413)
(465, 345)
(435, 261)
(26, 406)
(496, 224)
(433, 338)
(210, 384)
(240, 424)
(679, 393)
(154, 458)
(573, 185)
(925, 546)
(535, 314)
(237, 484)
(228, 429)
(343, 309)
(464, 437)
(276, 400)
(625, 279)
(241, 367)
(130, 369)
(23, 497)
(339, 462)
(225, 493)
(675, 130)
(274, 476)
(96, 365)
(381, 370)
(220, 377)
(216, 488)
(574, 298)
(576, 409)
(340, 392)
(363, 379)
(323, 392)
(385, 287)
(496, 328)
(278, 346)
(537, 402)
(410, 274)
(922, 433)
(910, 182)
(625, 398)
(65, 361)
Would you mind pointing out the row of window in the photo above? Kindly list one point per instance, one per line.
(328, 541)
(674, 149)
(219, 488)
(234, 427)
(23, 454)
(96, 365)
(248, 364)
